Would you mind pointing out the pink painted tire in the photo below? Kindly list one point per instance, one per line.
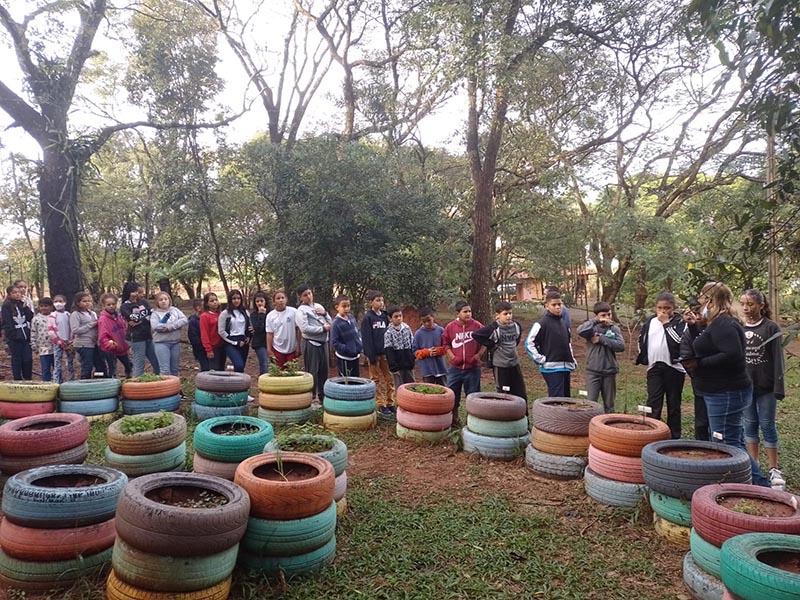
(420, 422)
(204, 466)
(340, 486)
(627, 469)
(19, 410)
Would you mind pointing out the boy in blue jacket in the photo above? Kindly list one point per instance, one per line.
(346, 339)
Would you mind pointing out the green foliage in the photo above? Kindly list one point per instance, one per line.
(290, 368)
(146, 378)
(426, 389)
(132, 424)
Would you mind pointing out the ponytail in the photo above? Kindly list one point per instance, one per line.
(760, 299)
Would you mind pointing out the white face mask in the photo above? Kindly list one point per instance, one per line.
(59, 305)
(704, 312)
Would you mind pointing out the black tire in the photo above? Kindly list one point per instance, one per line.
(222, 382)
(747, 574)
(701, 585)
(564, 416)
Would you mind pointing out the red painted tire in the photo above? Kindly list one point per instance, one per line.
(426, 404)
(151, 390)
(11, 465)
(424, 422)
(18, 410)
(496, 407)
(625, 435)
(716, 523)
(44, 545)
(43, 434)
(613, 466)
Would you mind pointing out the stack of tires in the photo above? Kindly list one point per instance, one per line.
(424, 412)
(614, 475)
(761, 566)
(178, 536)
(151, 395)
(221, 394)
(94, 398)
(497, 425)
(560, 437)
(221, 443)
(155, 450)
(292, 526)
(349, 404)
(58, 525)
(720, 513)
(675, 469)
(285, 399)
(26, 398)
(325, 446)
(40, 440)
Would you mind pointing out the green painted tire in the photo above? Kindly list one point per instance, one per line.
(746, 574)
(201, 413)
(89, 389)
(267, 537)
(705, 554)
(204, 398)
(28, 391)
(231, 448)
(349, 408)
(42, 576)
(290, 565)
(285, 417)
(672, 509)
(134, 465)
(498, 429)
(421, 437)
(337, 455)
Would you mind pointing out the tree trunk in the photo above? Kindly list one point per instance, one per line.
(481, 279)
(640, 300)
(612, 287)
(164, 286)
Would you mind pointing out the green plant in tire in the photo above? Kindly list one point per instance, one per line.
(421, 388)
(290, 369)
(296, 438)
(133, 424)
(145, 378)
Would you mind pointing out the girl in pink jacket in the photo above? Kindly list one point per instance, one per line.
(111, 327)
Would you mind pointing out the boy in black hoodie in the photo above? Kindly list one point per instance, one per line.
(16, 318)
(373, 329)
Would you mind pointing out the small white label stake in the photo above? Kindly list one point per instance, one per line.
(717, 436)
(583, 393)
(646, 410)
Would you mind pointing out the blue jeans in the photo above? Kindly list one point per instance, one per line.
(169, 357)
(86, 357)
(21, 359)
(141, 350)
(726, 416)
(558, 384)
(263, 359)
(58, 355)
(761, 412)
(237, 354)
(468, 379)
(46, 362)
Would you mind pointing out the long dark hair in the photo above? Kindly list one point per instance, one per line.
(128, 288)
(260, 294)
(229, 307)
(759, 298)
(9, 299)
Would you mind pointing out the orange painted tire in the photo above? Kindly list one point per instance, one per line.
(150, 390)
(43, 434)
(116, 589)
(561, 445)
(44, 545)
(285, 401)
(281, 499)
(18, 410)
(426, 404)
(625, 435)
(152, 441)
(615, 467)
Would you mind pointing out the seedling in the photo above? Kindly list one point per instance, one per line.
(132, 424)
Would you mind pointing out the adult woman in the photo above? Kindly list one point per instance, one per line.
(235, 330)
(136, 311)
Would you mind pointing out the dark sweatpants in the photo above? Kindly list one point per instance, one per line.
(509, 380)
(315, 361)
(701, 430)
(663, 380)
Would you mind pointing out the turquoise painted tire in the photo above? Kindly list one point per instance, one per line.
(499, 448)
(137, 407)
(201, 413)
(90, 408)
(674, 510)
(204, 398)
(42, 576)
(134, 465)
(358, 388)
(286, 417)
(704, 553)
(700, 584)
(349, 408)
(337, 455)
(747, 572)
(231, 448)
(266, 537)
(89, 389)
(498, 429)
(309, 562)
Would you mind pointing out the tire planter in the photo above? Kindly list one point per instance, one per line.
(338, 423)
(146, 442)
(421, 437)
(43, 576)
(116, 589)
(675, 510)
(137, 465)
(9, 465)
(618, 468)
(705, 554)
(340, 486)
(612, 493)
(89, 389)
(201, 413)
(43, 434)
(554, 466)
(138, 407)
(494, 447)
(28, 391)
(204, 466)
(169, 385)
(337, 455)
(166, 530)
(211, 441)
(285, 401)
(90, 408)
(422, 422)
(289, 537)
(307, 492)
(290, 384)
(204, 398)
(717, 523)
(675, 534)
(701, 585)
(493, 428)
(290, 565)
(746, 565)
(625, 435)
(222, 382)
(18, 410)
(561, 445)
(426, 404)
(88, 495)
(349, 388)
(496, 407)
(348, 408)
(45, 545)
(564, 416)
(286, 417)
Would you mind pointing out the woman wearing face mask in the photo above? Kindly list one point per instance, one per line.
(235, 330)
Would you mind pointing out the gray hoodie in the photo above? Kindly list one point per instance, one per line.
(84, 328)
(167, 324)
(600, 357)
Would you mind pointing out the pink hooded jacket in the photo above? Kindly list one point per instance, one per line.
(111, 333)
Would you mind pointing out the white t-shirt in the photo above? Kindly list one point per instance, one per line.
(283, 329)
(657, 349)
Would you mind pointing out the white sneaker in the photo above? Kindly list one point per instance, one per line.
(776, 480)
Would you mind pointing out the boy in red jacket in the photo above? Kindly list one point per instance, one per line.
(464, 355)
(111, 327)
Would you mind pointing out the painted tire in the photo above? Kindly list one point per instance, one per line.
(492, 428)
(286, 417)
(421, 437)
(494, 447)
(144, 464)
(564, 416)
(562, 445)
(222, 382)
(291, 384)
(28, 391)
(674, 510)
(43, 576)
(289, 537)
(426, 404)
(497, 407)
(203, 466)
(285, 401)
(89, 389)
(618, 468)
(340, 486)
(174, 531)
(337, 423)
(138, 407)
(44, 545)
(612, 433)
(421, 422)
(18, 410)
(204, 398)
(350, 388)
(675, 534)
(201, 413)
(290, 565)
(286, 499)
(146, 442)
(701, 585)
(612, 493)
(746, 574)
(90, 408)
(58, 432)
(705, 554)
(116, 589)
(148, 390)
(348, 408)
(681, 477)
(554, 466)
(341, 507)
(337, 455)
(231, 448)
(10, 465)
(30, 505)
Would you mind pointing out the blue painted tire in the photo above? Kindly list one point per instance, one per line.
(348, 408)
(42, 576)
(700, 584)
(231, 448)
(135, 465)
(290, 565)
(209, 412)
(267, 537)
(137, 407)
(553, 466)
(89, 389)
(359, 388)
(90, 408)
(286, 417)
(499, 448)
(337, 455)
(204, 398)
(612, 493)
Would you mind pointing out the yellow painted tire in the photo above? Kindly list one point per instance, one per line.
(338, 423)
(672, 532)
(561, 445)
(272, 401)
(341, 507)
(28, 391)
(116, 589)
(291, 384)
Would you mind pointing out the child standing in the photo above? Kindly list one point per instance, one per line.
(233, 327)
(398, 343)
(195, 339)
(41, 338)
(258, 321)
(429, 350)
(464, 355)
(136, 311)
(83, 325)
(549, 345)
(603, 342)
(314, 324)
(501, 338)
(166, 322)
(373, 328)
(283, 335)
(111, 329)
(22, 285)
(212, 342)
(346, 339)
(765, 365)
(61, 335)
(16, 318)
